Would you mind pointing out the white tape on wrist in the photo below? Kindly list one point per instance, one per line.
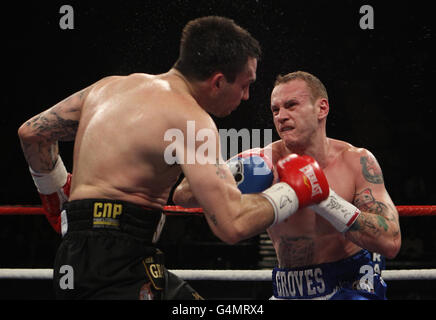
(283, 199)
(338, 211)
(64, 223)
(48, 183)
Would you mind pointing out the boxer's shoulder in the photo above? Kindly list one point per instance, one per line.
(173, 105)
(344, 151)
(352, 157)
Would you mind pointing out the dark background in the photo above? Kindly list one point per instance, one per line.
(380, 84)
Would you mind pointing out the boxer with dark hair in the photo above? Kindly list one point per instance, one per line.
(121, 178)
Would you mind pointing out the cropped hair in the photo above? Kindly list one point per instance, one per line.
(317, 88)
(215, 44)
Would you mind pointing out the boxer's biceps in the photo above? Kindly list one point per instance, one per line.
(58, 123)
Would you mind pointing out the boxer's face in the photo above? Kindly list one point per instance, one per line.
(231, 94)
(295, 115)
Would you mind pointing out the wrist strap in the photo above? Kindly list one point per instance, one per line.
(338, 211)
(283, 199)
(48, 183)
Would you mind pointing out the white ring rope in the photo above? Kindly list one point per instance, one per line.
(222, 275)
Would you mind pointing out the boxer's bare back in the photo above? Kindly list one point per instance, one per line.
(119, 143)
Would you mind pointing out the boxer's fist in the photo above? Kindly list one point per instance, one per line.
(53, 202)
(54, 190)
(302, 183)
(305, 176)
(252, 170)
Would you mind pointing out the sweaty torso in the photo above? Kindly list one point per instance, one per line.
(119, 148)
(306, 238)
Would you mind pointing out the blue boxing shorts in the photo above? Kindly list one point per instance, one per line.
(355, 278)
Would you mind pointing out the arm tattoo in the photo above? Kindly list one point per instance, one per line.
(371, 171)
(40, 152)
(212, 218)
(366, 223)
(382, 222)
(59, 123)
(365, 201)
(383, 213)
(52, 123)
(54, 128)
(220, 172)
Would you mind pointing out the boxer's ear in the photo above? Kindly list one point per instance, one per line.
(323, 108)
(217, 80)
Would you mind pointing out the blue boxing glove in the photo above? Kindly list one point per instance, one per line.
(252, 170)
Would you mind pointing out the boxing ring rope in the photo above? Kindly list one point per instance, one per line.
(403, 211)
(221, 275)
(218, 275)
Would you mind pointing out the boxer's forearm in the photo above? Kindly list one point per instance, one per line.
(256, 212)
(256, 215)
(39, 135)
(377, 232)
(39, 140)
(40, 156)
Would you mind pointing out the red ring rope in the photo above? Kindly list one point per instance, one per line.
(403, 211)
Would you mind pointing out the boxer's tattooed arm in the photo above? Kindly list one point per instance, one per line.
(54, 127)
(371, 170)
(376, 216)
(60, 122)
(43, 131)
(377, 228)
(40, 155)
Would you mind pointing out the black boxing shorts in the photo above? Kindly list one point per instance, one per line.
(108, 252)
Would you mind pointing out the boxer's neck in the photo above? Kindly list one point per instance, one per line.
(194, 89)
(318, 148)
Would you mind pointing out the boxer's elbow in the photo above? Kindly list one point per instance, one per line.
(240, 233)
(27, 134)
(388, 246)
(392, 247)
(24, 132)
(230, 231)
(232, 235)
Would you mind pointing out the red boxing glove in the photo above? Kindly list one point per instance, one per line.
(54, 190)
(53, 202)
(305, 176)
(302, 183)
